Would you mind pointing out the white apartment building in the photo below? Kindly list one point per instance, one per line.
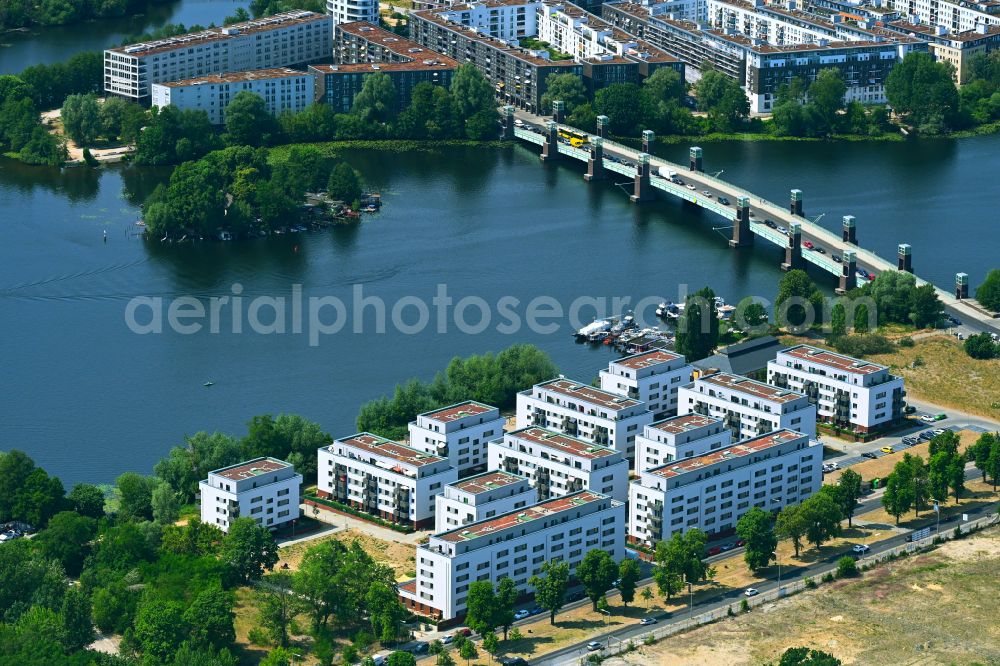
(679, 437)
(503, 19)
(679, 10)
(347, 11)
(585, 412)
(480, 497)
(281, 89)
(748, 407)
(955, 15)
(275, 41)
(459, 432)
(847, 392)
(265, 489)
(652, 377)
(559, 464)
(383, 478)
(710, 492)
(513, 545)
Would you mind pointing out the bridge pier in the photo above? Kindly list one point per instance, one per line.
(508, 123)
(602, 126)
(796, 203)
(595, 165)
(848, 273)
(742, 236)
(558, 111)
(647, 141)
(850, 230)
(642, 191)
(695, 159)
(905, 257)
(550, 149)
(961, 285)
(793, 251)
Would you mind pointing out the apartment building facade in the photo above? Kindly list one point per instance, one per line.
(518, 75)
(584, 412)
(481, 497)
(265, 489)
(513, 545)
(847, 392)
(349, 11)
(281, 89)
(748, 407)
(956, 48)
(954, 15)
(711, 491)
(679, 437)
(271, 42)
(458, 432)
(652, 377)
(559, 464)
(383, 478)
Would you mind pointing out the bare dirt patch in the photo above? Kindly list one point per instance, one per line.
(398, 555)
(936, 608)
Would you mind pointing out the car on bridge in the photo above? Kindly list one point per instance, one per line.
(724, 201)
(836, 257)
(782, 230)
(820, 250)
(770, 223)
(807, 245)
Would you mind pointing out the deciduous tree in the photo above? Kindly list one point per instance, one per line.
(597, 572)
(550, 587)
(756, 528)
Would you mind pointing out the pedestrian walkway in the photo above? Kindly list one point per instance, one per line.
(344, 521)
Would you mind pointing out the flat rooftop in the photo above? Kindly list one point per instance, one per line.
(483, 483)
(521, 516)
(932, 32)
(647, 359)
(741, 450)
(458, 412)
(588, 394)
(752, 387)
(388, 40)
(678, 425)
(562, 442)
(437, 62)
(237, 77)
(251, 468)
(263, 24)
(390, 449)
(833, 360)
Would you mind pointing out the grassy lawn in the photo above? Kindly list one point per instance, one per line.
(936, 608)
(400, 556)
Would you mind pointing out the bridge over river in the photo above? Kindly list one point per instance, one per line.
(750, 216)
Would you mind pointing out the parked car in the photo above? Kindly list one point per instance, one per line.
(940, 417)
(521, 614)
(726, 547)
(860, 548)
(594, 646)
(927, 418)
(513, 661)
(714, 550)
(886, 449)
(535, 611)
(926, 436)
(740, 543)
(646, 621)
(869, 454)
(937, 431)
(448, 639)
(751, 592)
(464, 631)
(420, 647)
(909, 441)
(909, 409)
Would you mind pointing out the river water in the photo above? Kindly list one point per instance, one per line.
(89, 398)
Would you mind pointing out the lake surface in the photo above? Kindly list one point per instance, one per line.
(88, 398)
(50, 45)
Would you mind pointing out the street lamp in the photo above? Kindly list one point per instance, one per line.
(607, 616)
(778, 560)
(690, 601)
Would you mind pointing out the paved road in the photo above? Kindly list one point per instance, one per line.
(574, 653)
(761, 210)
